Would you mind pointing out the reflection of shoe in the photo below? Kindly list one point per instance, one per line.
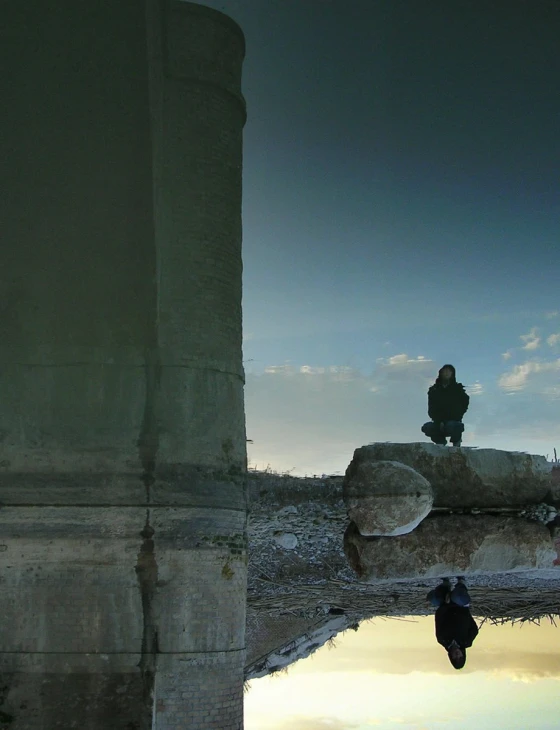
(457, 443)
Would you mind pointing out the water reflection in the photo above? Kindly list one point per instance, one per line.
(455, 627)
(390, 674)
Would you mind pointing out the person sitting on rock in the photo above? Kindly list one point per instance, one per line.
(455, 627)
(447, 404)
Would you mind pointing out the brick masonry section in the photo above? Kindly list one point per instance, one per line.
(89, 597)
(204, 692)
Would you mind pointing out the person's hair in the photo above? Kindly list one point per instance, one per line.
(460, 662)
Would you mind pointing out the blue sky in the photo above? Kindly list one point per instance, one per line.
(401, 210)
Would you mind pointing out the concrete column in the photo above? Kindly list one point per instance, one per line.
(122, 434)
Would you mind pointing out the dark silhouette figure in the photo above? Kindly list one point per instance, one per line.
(455, 627)
(447, 404)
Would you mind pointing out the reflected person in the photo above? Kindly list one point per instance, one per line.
(455, 627)
(447, 404)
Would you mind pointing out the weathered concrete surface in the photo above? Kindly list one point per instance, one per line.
(450, 545)
(120, 287)
(385, 497)
(122, 434)
(468, 477)
(120, 593)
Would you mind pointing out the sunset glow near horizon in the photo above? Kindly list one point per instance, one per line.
(393, 674)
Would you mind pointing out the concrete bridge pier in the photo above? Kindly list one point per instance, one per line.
(122, 433)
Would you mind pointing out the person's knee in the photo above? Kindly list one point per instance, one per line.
(460, 596)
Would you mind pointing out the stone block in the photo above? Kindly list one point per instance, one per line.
(468, 477)
(385, 497)
(450, 545)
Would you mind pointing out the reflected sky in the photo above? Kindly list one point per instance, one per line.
(400, 211)
(393, 674)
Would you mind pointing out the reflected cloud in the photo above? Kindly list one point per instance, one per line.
(518, 377)
(370, 672)
(401, 367)
(310, 418)
(531, 340)
(521, 666)
(300, 417)
(317, 723)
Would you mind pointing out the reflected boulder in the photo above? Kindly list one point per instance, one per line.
(449, 545)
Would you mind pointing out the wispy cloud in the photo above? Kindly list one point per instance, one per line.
(302, 416)
(509, 662)
(310, 418)
(553, 340)
(316, 723)
(551, 315)
(519, 376)
(531, 340)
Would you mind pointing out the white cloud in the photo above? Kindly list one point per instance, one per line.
(337, 372)
(279, 370)
(553, 340)
(507, 355)
(551, 315)
(518, 377)
(308, 370)
(404, 368)
(531, 340)
(310, 419)
(403, 359)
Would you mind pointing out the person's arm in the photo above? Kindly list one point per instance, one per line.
(433, 407)
(465, 400)
(444, 631)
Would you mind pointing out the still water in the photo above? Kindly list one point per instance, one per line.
(392, 674)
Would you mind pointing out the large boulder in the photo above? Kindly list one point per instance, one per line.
(450, 545)
(469, 477)
(385, 497)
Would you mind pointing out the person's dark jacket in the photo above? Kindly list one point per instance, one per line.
(455, 623)
(449, 403)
